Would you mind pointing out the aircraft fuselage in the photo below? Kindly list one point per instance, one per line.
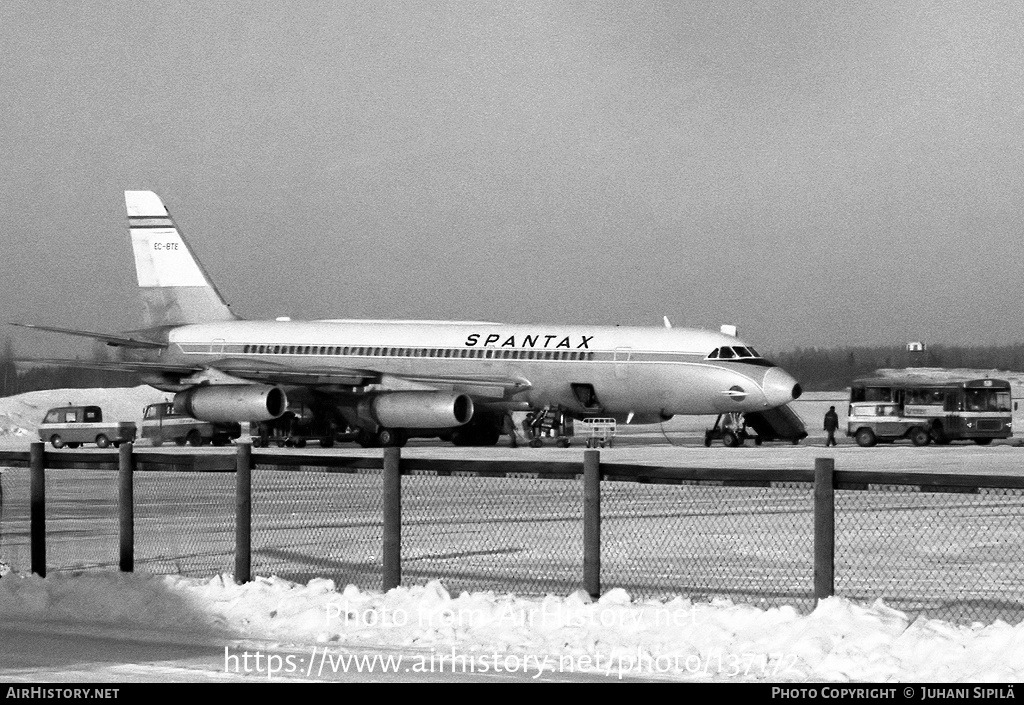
(649, 373)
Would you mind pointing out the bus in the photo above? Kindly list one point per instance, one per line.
(889, 409)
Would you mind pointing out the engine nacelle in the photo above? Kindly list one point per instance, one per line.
(232, 402)
(418, 409)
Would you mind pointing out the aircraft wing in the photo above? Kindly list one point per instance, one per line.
(109, 339)
(312, 375)
(114, 365)
(510, 383)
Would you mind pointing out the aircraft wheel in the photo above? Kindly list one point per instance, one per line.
(982, 441)
(326, 442)
(366, 439)
(300, 442)
(731, 440)
(390, 438)
(102, 441)
(865, 438)
(179, 441)
(194, 438)
(536, 443)
(562, 442)
(57, 441)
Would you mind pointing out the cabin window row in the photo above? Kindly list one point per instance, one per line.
(481, 353)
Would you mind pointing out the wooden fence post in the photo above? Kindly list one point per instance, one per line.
(592, 522)
(392, 549)
(824, 528)
(37, 508)
(126, 506)
(243, 513)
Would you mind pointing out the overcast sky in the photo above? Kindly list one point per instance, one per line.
(817, 173)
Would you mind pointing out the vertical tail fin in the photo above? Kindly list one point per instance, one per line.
(174, 287)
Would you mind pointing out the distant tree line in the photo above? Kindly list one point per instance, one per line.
(818, 369)
(17, 378)
(824, 369)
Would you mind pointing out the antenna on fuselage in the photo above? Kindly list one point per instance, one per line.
(667, 323)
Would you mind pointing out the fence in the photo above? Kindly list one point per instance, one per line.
(950, 546)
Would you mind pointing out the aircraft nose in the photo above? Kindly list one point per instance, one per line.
(780, 387)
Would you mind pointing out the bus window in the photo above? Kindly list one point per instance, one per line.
(877, 394)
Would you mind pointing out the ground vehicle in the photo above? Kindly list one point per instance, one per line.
(599, 432)
(888, 409)
(160, 423)
(72, 426)
(299, 426)
(548, 423)
(779, 424)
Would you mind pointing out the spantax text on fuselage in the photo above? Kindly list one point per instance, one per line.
(568, 342)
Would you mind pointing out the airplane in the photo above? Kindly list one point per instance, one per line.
(396, 379)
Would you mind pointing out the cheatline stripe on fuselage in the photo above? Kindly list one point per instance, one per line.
(443, 353)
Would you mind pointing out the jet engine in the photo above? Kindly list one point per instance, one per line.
(417, 409)
(232, 402)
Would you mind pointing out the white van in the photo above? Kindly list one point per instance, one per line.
(72, 426)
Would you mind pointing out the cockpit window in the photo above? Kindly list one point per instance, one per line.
(733, 352)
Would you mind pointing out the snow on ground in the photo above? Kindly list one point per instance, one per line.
(677, 640)
(21, 415)
(300, 628)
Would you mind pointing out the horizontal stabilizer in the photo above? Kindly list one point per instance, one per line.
(114, 340)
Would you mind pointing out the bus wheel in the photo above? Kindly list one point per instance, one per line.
(982, 441)
(866, 438)
(919, 436)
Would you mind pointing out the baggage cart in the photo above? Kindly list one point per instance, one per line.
(599, 432)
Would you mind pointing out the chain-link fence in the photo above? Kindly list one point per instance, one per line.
(949, 554)
(954, 554)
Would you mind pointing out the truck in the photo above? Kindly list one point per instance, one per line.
(162, 423)
(71, 426)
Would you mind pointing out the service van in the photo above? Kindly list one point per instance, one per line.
(161, 423)
(72, 426)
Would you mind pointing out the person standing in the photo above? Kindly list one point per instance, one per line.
(831, 424)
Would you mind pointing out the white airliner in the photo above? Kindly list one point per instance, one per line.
(396, 379)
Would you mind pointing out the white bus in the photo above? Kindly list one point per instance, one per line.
(889, 409)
